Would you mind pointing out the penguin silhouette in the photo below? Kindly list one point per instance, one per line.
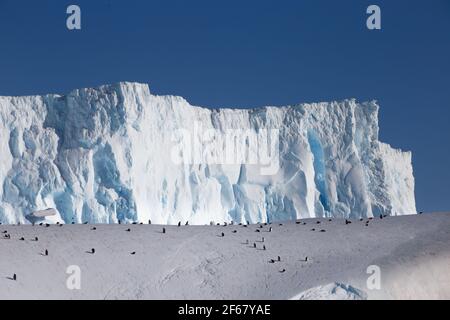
(187, 223)
(282, 270)
(128, 230)
(254, 245)
(92, 250)
(179, 223)
(164, 230)
(46, 252)
(14, 277)
(36, 239)
(270, 229)
(94, 228)
(264, 247)
(22, 239)
(133, 253)
(279, 258)
(149, 221)
(223, 234)
(271, 261)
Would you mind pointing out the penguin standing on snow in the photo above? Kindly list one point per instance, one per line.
(164, 230)
(14, 277)
(179, 223)
(279, 258)
(254, 245)
(223, 234)
(270, 229)
(264, 247)
(46, 252)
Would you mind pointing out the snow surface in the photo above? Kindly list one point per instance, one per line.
(107, 154)
(196, 262)
(332, 291)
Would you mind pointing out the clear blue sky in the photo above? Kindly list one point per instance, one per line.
(252, 53)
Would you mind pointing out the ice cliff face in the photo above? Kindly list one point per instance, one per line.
(119, 153)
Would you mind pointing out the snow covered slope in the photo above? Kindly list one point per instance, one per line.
(195, 262)
(119, 153)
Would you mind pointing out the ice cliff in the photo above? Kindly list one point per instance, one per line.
(118, 152)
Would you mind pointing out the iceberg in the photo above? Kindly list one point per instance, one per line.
(119, 153)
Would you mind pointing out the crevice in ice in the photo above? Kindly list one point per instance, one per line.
(319, 169)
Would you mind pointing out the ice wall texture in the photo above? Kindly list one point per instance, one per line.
(105, 154)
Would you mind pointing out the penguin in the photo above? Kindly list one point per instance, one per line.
(257, 230)
(94, 228)
(92, 250)
(262, 240)
(234, 231)
(179, 223)
(128, 230)
(271, 261)
(248, 222)
(46, 252)
(270, 229)
(279, 258)
(264, 247)
(36, 239)
(298, 222)
(14, 277)
(133, 253)
(347, 221)
(164, 230)
(149, 221)
(223, 234)
(323, 230)
(282, 270)
(254, 245)
(306, 259)
(318, 222)
(22, 239)
(313, 229)
(187, 223)
(330, 220)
